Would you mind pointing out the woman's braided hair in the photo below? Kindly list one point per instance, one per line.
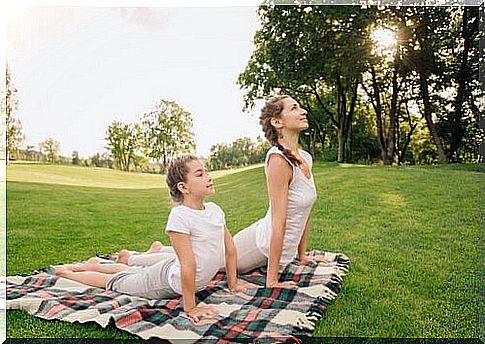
(177, 172)
(273, 109)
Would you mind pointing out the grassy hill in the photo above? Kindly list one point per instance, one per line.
(412, 234)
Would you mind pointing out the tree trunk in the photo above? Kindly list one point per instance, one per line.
(341, 146)
(457, 127)
(394, 111)
(380, 127)
(423, 70)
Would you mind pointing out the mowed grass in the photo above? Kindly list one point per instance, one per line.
(412, 234)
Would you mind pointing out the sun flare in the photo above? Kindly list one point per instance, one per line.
(385, 39)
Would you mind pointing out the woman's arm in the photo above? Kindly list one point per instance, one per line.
(302, 256)
(230, 260)
(303, 241)
(279, 174)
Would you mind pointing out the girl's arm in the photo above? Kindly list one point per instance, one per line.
(230, 260)
(279, 177)
(183, 248)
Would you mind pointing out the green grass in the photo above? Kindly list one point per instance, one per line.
(412, 234)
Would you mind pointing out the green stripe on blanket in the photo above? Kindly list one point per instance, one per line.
(285, 314)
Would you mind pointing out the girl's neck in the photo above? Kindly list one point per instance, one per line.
(289, 140)
(195, 203)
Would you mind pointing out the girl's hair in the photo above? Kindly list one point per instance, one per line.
(177, 172)
(273, 109)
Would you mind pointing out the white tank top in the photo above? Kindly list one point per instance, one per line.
(301, 196)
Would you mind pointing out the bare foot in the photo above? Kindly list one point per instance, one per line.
(62, 271)
(156, 246)
(123, 256)
(89, 265)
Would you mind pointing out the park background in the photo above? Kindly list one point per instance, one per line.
(393, 98)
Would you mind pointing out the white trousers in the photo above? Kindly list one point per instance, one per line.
(249, 256)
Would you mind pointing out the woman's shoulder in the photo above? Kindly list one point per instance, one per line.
(272, 150)
(307, 156)
(275, 150)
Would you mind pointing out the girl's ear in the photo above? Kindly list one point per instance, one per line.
(275, 122)
(182, 187)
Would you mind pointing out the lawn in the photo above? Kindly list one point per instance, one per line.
(412, 234)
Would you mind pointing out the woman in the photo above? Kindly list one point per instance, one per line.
(282, 234)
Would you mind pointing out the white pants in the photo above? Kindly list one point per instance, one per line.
(147, 259)
(249, 256)
(150, 282)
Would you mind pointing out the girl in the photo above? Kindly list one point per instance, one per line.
(200, 240)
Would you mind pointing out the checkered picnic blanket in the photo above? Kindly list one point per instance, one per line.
(286, 314)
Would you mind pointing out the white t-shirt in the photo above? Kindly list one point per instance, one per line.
(206, 230)
(301, 196)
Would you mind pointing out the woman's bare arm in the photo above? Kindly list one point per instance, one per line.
(279, 174)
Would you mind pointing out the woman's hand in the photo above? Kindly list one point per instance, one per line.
(311, 258)
(198, 312)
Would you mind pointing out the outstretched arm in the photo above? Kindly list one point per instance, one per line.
(303, 241)
(302, 256)
(230, 260)
(183, 248)
(279, 175)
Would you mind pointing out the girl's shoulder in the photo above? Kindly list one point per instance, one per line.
(213, 206)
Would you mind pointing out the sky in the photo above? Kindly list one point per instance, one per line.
(77, 69)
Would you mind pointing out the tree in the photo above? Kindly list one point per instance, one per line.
(13, 126)
(123, 141)
(75, 158)
(241, 152)
(167, 132)
(50, 148)
(316, 54)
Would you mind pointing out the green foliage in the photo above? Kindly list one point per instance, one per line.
(75, 158)
(123, 141)
(10, 104)
(167, 131)
(400, 227)
(242, 152)
(51, 148)
(423, 149)
(317, 54)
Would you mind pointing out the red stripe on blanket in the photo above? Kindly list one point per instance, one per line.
(130, 319)
(299, 270)
(55, 309)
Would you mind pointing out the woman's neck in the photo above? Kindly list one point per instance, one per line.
(289, 140)
(193, 202)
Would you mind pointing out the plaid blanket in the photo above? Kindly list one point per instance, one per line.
(286, 314)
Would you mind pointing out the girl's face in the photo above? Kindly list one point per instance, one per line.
(199, 183)
(293, 117)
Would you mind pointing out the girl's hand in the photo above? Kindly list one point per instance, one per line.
(198, 312)
(285, 284)
(241, 287)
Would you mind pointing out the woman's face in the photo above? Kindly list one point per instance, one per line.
(293, 117)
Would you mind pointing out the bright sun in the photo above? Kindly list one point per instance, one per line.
(385, 39)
